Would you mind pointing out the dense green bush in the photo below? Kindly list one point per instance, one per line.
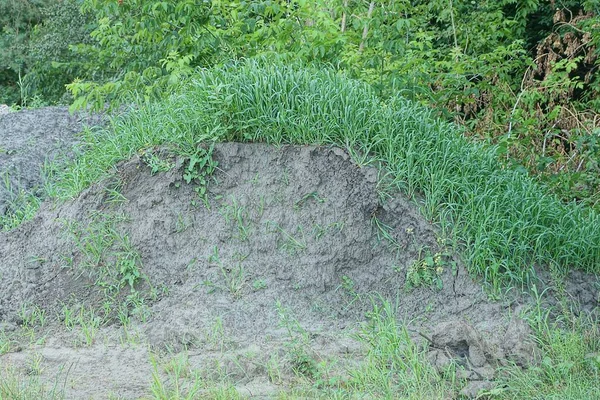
(17, 19)
(141, 48)
(51, 63)
(521, 74)
(35, 60)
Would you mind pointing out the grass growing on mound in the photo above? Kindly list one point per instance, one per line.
(505, 222)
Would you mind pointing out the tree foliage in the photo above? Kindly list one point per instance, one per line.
(51, 63)
(518, 73)
(17, 19)
(141, 47)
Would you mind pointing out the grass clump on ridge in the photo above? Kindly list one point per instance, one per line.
(503, 220)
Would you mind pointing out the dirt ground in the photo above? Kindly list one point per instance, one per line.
(290, 245)
(30, 138)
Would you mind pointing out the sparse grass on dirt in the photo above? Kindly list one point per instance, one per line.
(392, 366)
(108, 254)
(22, 206)
(15, 387)
(570, 359)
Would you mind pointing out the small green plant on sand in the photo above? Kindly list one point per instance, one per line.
(310, 196)
(301, 356)
(199, 166)
(234, 277)
(259, 284)
(6, 342)
(426, 271)
(108, 254)
(176, 381)
(83, 319)
(32, 316)
(292, 243)
(34, 364)
(155, 162)
(238, 215)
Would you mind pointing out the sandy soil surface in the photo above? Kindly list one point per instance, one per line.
(29, 139)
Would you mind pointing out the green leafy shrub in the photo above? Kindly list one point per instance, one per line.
(140, 48)
(17, 19)
(51, 64)
(35, 61)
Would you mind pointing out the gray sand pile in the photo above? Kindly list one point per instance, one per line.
(297, 234)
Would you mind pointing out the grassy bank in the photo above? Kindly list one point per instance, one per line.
(503, 221)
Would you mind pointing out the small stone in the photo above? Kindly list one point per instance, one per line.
(466, 374)
(439, 359)
(518, 345)
(474, 388)
(476, 355)
(485, 372)
(463, 341)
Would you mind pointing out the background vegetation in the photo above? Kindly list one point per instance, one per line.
(521, 74)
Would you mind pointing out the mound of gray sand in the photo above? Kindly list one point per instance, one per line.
(291, 242)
